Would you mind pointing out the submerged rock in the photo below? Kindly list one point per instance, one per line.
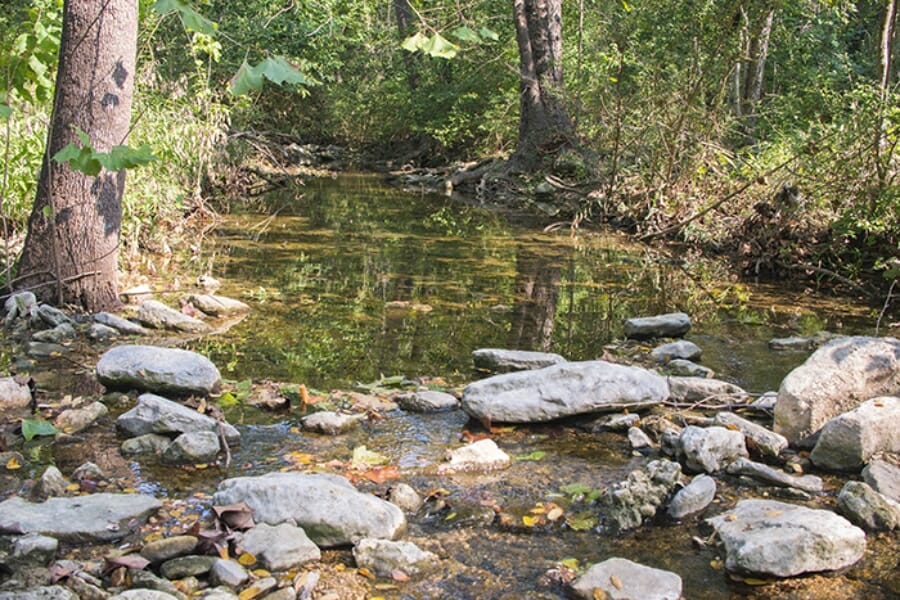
(329, 509)
(497, 360)
(83, 519)
(667, 325)
(835, 379)
(155, 369)
(848, 441)
(775, 538)
(626, 504)
(385, 557)
(562, 390)
(483, 455)
(622, 579)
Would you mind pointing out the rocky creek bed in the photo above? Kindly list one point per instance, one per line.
(144, 475)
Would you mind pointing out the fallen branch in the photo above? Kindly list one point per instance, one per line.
(822, 270)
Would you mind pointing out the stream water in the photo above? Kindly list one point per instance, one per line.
(353, 282)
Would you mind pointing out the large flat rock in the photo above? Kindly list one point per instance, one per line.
(156, 369)
(82, 519)
(563, 390)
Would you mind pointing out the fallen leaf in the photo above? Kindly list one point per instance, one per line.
(755, 581)
(555, 513)
(366, 573)
(530, 521)
(599, 594)
(129, 561)
(381, 474)
(235, 516)
(363, 457)
(246, 559)
(615, 582)
(13, 464)
(398, 575)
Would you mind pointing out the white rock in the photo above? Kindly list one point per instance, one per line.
(711, 449)
(622, 579)
(848, 441)
(483, 455)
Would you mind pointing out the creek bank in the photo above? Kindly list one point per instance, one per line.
(716, 446)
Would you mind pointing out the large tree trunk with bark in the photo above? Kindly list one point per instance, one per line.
(749, 75)
(544, 123)
(72, 245)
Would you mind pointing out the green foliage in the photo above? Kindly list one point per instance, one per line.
(32, 428)
(85, 159)
(192, 20)
(276, 69)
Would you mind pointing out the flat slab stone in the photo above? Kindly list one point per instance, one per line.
(706, 390)
(279, 547)
(156, 369)
(83, 519)
(155, 414)
(682, 349)
(775, 538)
(120, 324)
(667, 325)
(622, 579)
(153, 313)
(385, 557)
(767, 474)
(760, 439)
(563, 390)
(216, 306)
(427, 401)
(497, 360)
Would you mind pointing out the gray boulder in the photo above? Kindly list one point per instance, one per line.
(427, 401)
(155, 414)
(835, 379)
(279, 547)
(693, 498)
(667, 325)
(59, 334)
(192, 448)
(50, 592)
(192, 565)
(149, 443)
(52, 316)
(228, 573)
(622, 579)
(21, 305)
(699, 389)
(384, 557)
(685, 368)
(120, 324)
(681, 349)
(496, 360)
(766, 474)
(483, 455)
(157, 315)
(13, 394)
(775, 538)
(562, 390)
(330, 422)
(848, 441)
(627, 503)
(711, 449)
(51, 483)
(759, 439)
(867, 508)
(164, 549)
(884, 477)
(160, 370)
(328, 508)
(406, 497)
(83, 519)
(217, 306)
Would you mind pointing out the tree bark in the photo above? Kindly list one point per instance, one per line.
(544, 123)
(887, 47)
(753, 72)
(71, 248)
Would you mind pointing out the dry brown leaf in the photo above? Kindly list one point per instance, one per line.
(615, 581)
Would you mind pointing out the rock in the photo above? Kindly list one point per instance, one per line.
(192, 565)
(867, 508)
(621, 579)
(848, 441)
(765, 473)
(217, 593)
(685, 368)
(229, 573)
(765, 403)
(50, 592)
(328, 508)
(83, 519)
(614, 422)
(884, 477)
(279, 547)
(331, 423)
(136, 294)
(562, 390)
(150, 443)
(693, 498)
(638, 438)
(101, 332)
(164, 549)
(50, 484)
(259, 587)
(29, 551)
(154, 414)
(120, 324)
(697, 389)
(217, 306)
(88, 471)
(157, 315)
(711, 449)
(52, 316)
(495, 360)
(21, 305)
(384, 557)
(668, 325)
(427, 401)
(59, 334)
(405, 497)
(44, 349)
(208, 283)
(143, 594)
(76, 420)
(682, 349)
(759, 439)
(775, 538)
(192, 448)
(483, 455)
(793, 343)
(148, 580)
(835, 379)
(13, 394)
(626, 504)
(155, 369)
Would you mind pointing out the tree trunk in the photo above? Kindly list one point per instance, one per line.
(73, 233)
(544, 123)
(753, 71)
(887, 47)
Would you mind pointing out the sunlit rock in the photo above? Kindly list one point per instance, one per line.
(622, 579)
(667, 325)
(767, 474)
(156, 369)
(759, 439)
(884, 477)
(626, 504)
(682, 349)
(217, 306)
(157, 315)
(385, 557)
(693, 498)
(711, 449)
(154, 414)
(498, 360)
(483, 455)
(848, 441)
(706, 390)
(278, 547)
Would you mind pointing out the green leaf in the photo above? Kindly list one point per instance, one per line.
(536, 455)
(464, 33)
(190, 18)
(246, 80)
(85, 138)
(575, 489)
(279, 71)
(488, 34)
(414, 43)
(581, 521)
(227, 399)
(69, 152)
(35, 427)
(363, 457)
(5, 111)
(47, 211)
(440, 47)
(125, 157)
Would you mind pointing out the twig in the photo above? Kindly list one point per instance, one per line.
(887, 302)
(223, 441)
(830, 273)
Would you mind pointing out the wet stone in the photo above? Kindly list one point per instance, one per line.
(682, 349)
(167, 548)
(384, 557)
(667, 325)
(483, 455)
(867, 508)
(187, 566)
(59, 334)
(626, 504)
(622, 579)
(192, 448)
(693, 498)
(614, 422)
(405, 497)
(228, 573)
(330, 422)
(884, 477)
(150, 443)
(427, 401)
(45, 349)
